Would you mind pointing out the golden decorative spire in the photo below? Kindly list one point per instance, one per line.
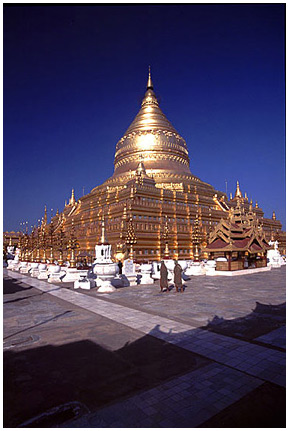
(150, 83)
(238, 193)
(45, 215)
(72, 199)
(103, 239)
(273, 216)
(130, 236)
(256, 206)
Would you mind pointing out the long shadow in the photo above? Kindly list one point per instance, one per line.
(70, 379)
(21, 299)
(37, 324)
(12, 286)
(40, 379)
(30, 296)
(263, 319)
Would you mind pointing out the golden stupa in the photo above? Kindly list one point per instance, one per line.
(152, 200)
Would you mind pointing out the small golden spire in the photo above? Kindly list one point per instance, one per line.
(256, 206)
(150, 83)
(250, 206)
(273, 216)
(238, 193)
(103, 239)
(72, 199)
(45, 214)
(231, 196)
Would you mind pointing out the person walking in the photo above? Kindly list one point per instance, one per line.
(164, 277)
(178, 276)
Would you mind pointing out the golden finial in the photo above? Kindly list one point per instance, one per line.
(238, 193)
(45, 214)
(103, 239)
(231, 196)
(256, 206)
(246, 197)
(150, 83)
(273, 216)
(250, 206)
(72, 199)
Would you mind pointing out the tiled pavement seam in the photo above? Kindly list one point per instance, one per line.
(277, 337)
(185, 401)
(257, 361)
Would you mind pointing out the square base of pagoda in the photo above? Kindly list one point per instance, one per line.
(132, 278)
(24, 270)
(73, 274)
(34, 272)
(146, 279)
(84, 284)
(55, 278)
(43, 274)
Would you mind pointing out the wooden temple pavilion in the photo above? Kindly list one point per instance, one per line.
(240, 239)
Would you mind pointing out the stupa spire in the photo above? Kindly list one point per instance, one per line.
(103, 239)
(238, 193)
(72, 199)
(45, 215)
(150, 83)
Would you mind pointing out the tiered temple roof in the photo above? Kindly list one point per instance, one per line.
(241, 231)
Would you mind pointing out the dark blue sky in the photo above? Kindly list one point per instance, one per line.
(74, 77)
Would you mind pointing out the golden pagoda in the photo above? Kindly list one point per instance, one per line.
(152, 190)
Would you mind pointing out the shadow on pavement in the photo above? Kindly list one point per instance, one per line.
(264, 407)
(43, 378)
(13, 286)
(263, 319)
(70, 379)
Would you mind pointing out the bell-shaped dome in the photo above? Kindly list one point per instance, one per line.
(152, 138)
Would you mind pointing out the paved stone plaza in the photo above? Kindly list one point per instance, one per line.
(213, 356)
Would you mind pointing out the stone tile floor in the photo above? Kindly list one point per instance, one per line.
(229, 333)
